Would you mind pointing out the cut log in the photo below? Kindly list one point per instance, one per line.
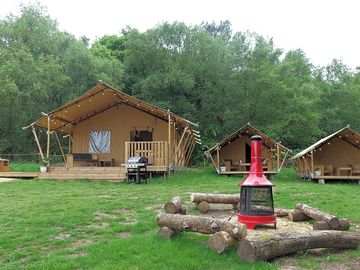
(220, 241)
(236, 206)
(183, 210)
(203, 206)
(318, 215)
(324, 225)
(282, 212)
(297, 216)
(166, 233)
(173, 206)
(215, 198)
(275, 245)
(204, 225)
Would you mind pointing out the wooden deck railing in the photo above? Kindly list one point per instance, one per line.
(156, 152)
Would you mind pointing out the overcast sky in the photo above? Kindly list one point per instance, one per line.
(323, 29)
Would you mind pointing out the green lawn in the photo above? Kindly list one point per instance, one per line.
(101, 225)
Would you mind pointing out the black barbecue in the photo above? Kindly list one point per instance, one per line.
(136, 170)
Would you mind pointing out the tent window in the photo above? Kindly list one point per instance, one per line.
(99, 142)
(140, 136)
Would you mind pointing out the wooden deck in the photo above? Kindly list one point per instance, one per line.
(28, 175)
(244, 172)
(113, 174)
(337, 177)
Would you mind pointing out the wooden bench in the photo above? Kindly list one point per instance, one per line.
(82, 159)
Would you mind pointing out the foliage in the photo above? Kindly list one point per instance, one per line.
(205, 73)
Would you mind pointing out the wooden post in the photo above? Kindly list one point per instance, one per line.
(37, 142)
(312, 163)
(169, 142)
(178, 146)
(61, 149)
(70, 139)
(277, 156)
(48, 137)
(282, 163)
(191, 149)
(218, 158)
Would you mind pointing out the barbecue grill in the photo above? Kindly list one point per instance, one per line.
(136, 169)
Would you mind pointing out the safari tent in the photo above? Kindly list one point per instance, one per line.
(336, 156)
(233, 154)
(106, 126)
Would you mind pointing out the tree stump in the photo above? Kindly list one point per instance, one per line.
(220, 241)
(173, 206)
(318, 215)
(204, 225)
(272, 246)
(297, 216)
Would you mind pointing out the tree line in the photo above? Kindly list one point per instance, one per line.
(205, 73)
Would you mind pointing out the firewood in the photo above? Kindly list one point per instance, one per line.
(200, 224)
(324, 225)
(166, 233)
(215, 198)
(275, 245)
(173, 206)
(318, 215)
(220, 241)
(183, 210)
(297, 216)
(280, 212)
(203, 206)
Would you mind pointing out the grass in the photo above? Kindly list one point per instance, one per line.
(24, 167)
(81, 225)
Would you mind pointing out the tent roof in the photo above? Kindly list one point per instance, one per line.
(250, 131)
(346, 133)
(99, 99)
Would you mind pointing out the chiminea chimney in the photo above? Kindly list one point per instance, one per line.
(256, 198)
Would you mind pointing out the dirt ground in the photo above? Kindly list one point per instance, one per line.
(288, 262)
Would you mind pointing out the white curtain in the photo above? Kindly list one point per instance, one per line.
(99, 142)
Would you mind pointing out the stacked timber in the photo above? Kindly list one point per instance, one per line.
(224, 233)
(203, 200)
(276, 245)
(324, 221)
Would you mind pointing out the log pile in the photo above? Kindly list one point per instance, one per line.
(324, 221)
(265, 248)
(203, 200)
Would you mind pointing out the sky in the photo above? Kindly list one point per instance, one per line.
(324, 30)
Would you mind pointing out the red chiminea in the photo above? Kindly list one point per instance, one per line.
(256, 198)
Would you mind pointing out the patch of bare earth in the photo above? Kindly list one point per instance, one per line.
(79, 254)
(154, 207)
(100, 215)
(121, 211)
(101, 225)
(353, 264)
(129, 221)
(62, 236)
(81, 243)
(122, 235)
(4, 180)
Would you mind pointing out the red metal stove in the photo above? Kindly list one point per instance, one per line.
(256, 198)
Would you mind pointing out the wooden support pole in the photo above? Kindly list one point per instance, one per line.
(312, 163)
(48, 137)
(169, 142)
(37, 142)
(61, 149)
(218, 158)
(70, 142)
(277, 156)
(185, 146)
(179, 144)
(283, 161)
(190, 153)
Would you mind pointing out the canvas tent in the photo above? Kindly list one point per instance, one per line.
(233, 154)
(112, 126)
(336, 156)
